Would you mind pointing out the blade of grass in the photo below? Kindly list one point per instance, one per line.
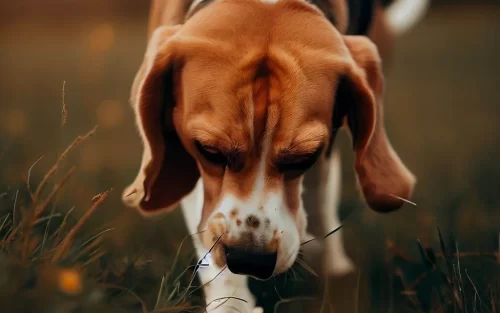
(4, 221)
(95, 257)
(133, 294)
(61, 226)
(98, 235)
(63, 155)
(178, 253)
(208, 282)
(289, 300)
(460, 281)
(64, 246)
(225, 298)
(475, 290)
(45, 218)
(160, 291)
(428, 264)
(28, 180)
(29, 221)
(14, 208)
(87, 249)
(57, 187)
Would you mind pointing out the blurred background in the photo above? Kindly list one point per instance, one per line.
(442, 112)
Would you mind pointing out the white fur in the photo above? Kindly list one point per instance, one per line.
(226, 284)
(264, 206)
(337, 262)
(273, 208)
(405, 14)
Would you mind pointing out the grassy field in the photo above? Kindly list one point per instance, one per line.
(73, 253)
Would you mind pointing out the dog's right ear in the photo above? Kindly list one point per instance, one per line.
(167, 172)
(384, 179)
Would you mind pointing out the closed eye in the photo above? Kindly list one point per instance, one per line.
(293, 165)
(211, 154)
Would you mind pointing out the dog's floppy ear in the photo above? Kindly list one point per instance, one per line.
(167, 171)
(383, 178)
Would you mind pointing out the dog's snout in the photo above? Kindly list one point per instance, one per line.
(258, 264)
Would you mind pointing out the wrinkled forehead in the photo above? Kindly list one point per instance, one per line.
(255, 64)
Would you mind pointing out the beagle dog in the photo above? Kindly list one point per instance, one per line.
(235, 101)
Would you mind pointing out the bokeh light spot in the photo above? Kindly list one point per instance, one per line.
(101, 38)
(15, 122)
(109, 113)
(70, 281)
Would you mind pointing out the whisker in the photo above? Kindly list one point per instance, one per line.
(293, 273)
(307, 241)
(336, 229)
(403, 199)
(333, 231)
(307, 267)
(286, 278)
(279, 296)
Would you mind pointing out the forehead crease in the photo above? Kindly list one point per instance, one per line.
(260, 95)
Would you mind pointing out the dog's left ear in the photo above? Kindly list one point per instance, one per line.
(168, 172)
(383, 178)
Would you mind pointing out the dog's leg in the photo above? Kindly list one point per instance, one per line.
(336, 262)
(219, 284)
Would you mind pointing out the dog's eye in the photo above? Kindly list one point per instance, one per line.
(211, 154)
(295, 165)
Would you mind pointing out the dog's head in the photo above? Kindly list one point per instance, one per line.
(248, 95)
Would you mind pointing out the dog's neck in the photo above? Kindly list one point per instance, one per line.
(351, 17)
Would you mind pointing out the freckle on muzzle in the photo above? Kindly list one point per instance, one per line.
(257, 264)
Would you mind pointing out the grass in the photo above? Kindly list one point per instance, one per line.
(441, 282)
(51, 263)
(45, 253)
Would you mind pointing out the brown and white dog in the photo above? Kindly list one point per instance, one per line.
(236, 100)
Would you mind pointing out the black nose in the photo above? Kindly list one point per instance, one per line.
(257, 264)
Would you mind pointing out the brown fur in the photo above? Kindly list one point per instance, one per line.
(230, 83)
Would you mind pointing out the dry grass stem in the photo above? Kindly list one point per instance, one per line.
(53, 170)
(94, 257)
(64, 246)
(28, 180)
(57, 187)
(64, 109)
